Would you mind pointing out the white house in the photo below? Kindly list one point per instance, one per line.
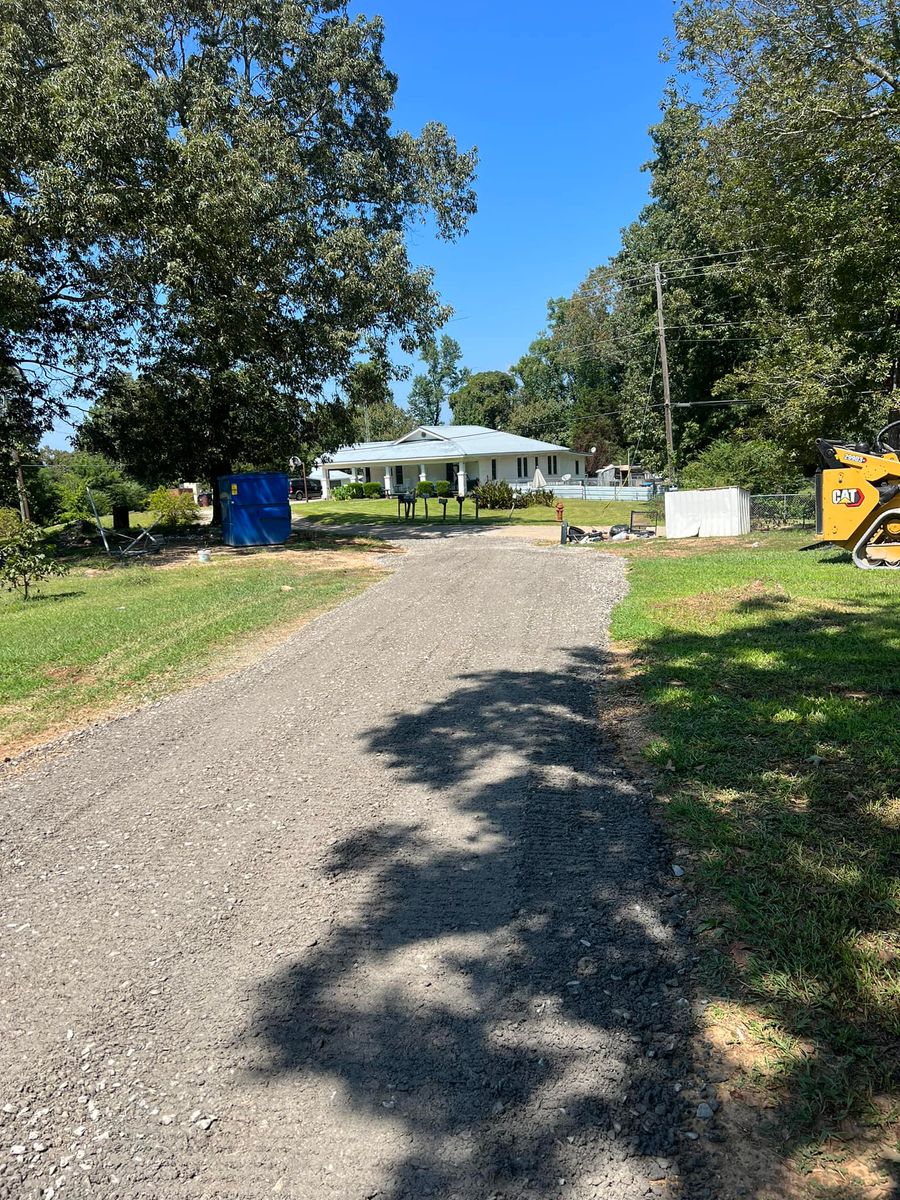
(461, 454)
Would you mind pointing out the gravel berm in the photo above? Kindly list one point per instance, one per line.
(379, 916)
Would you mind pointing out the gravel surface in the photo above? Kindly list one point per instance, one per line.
(379, 916)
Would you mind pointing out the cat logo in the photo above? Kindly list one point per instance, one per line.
(851, 497)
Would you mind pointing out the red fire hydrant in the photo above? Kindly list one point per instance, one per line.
(559, 510)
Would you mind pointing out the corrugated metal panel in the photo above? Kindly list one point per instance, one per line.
(574, 491)
(708, 512)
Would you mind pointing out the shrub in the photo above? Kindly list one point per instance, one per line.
(340, 492)
(424, 488)
(24, 560)
(759, 465)
(355, 491)
(497, 493)
(541, 496)
(176, 510)
(442, 487)
(373, 491)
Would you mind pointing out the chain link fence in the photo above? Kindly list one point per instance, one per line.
(783, 510)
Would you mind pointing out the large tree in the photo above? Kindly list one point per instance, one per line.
(443, 376)
(375, 415)
(258, 216)
(80, 125)
(485, 398)
(800, 116)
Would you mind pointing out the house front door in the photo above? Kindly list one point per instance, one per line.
(450, 469)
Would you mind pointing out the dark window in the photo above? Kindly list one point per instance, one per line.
(368, 474)
(450, 471)
(493, 468)
(398, 472)
(576, 467)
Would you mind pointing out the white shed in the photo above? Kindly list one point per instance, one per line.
(708, 512)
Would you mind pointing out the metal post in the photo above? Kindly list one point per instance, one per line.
(664, 365)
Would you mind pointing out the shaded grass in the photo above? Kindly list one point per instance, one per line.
(378, 512)
(97, 640)
(773, 689)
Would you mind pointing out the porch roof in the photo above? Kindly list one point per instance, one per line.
(442, 443)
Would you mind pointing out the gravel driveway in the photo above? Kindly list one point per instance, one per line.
(377, 917)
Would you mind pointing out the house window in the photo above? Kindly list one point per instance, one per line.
(551, 464)
(522, 467)
(577, 472)
(398, 474)
(493, 468)
(368, 474)
(450, 472)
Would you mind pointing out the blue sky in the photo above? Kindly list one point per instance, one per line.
(558, 100)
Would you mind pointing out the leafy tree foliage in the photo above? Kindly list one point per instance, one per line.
(24, 558)
(774, 214)
(757, 464)
(215, 193)
(484, 399)
(442, 378)
(375, 415)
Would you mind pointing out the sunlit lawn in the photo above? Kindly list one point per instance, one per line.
(772, 688)
(96, 640)
(378, 512)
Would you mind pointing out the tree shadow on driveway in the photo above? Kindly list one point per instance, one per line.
(508, 1004)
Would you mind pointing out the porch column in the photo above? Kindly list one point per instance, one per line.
(387, 481)
(326, 482)
(353, 469)
(461, 478)
(422, 475)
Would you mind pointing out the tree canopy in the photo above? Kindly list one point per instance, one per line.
(443, 376)
(216, 196)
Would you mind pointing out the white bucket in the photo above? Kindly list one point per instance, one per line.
(204, 556)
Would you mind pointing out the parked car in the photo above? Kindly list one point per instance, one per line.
(313, 488)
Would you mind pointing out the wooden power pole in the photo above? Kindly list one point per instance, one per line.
(664, 364)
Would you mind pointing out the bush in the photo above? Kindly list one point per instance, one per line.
(497, 493)
(72, 474)
(340, 492)
(373, 491)
(442, 488)
(24, 560)
(758, 465)
(424, 488)
(176, 510)
(541, 496)
(355, 491)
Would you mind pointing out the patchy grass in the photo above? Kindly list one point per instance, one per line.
(99, 640)
(773, 703)
(380, 512)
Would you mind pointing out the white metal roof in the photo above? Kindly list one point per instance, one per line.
(443, 443)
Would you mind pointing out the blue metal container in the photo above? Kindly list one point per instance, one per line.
(255, 508)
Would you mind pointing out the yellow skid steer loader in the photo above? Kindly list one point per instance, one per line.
(858, 499)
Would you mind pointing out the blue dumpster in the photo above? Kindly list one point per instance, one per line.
(255, 508)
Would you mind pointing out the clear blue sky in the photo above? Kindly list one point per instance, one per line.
(558, 99)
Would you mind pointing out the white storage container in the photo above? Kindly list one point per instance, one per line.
(708, 512)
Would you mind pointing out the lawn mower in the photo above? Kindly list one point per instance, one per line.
(858, 499)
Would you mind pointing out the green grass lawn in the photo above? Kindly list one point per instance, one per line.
(772, 687)
(96, 640)
(378, 512)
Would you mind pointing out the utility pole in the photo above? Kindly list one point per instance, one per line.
(20, 485)
(664, 363)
